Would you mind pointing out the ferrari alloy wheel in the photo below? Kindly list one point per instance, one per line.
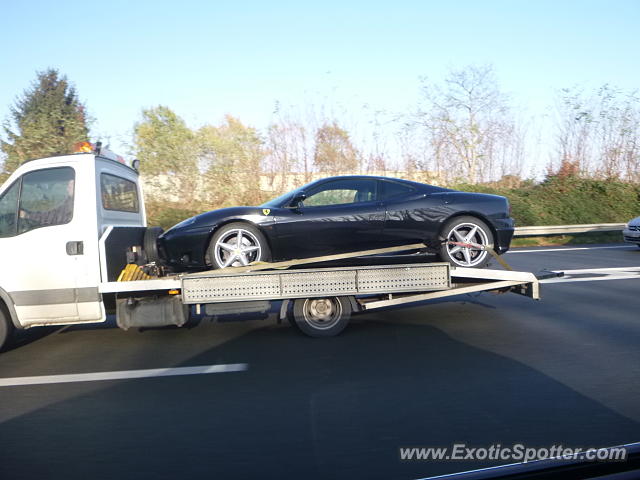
(237, 245)
(465, 242)
(321, 317)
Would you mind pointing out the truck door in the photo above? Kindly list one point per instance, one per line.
(45, 247)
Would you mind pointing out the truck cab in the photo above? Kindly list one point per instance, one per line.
(55, 214)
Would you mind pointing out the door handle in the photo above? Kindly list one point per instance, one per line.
(75, 248)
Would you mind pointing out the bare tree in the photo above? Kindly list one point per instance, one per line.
(287, 154)
(467, 123)
(599, 132)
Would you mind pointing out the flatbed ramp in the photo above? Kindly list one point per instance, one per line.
(289, 284)
(323, 298)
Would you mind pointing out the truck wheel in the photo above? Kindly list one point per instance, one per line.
(322, 317)
(6, 328)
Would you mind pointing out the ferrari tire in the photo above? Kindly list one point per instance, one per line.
(150, 244)
(321, 317)
(6, 327)
(466, 230)
(238, 244)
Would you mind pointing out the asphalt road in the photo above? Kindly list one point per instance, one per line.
(479, 370)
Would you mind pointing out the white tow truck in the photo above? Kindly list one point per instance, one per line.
(75, 247)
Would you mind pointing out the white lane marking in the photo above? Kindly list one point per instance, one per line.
(601, 270)
(123, 374)
(568, 249)
(619, 273)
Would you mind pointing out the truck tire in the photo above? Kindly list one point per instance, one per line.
(6, 328)
(321, 317)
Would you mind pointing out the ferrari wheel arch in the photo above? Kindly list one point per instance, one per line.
(477, 215)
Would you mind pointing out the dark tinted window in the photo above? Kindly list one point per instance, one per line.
(395, 189)
(342, 192)
(119, 194)
(46, 198)
(9, 210)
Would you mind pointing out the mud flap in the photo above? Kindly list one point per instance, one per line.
(151, 312)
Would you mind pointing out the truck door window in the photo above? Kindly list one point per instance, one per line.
(46, 198)
(8, 210)
(119, 194)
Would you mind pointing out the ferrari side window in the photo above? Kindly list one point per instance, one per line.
(393, 190)
(342, 192)
(330, 197)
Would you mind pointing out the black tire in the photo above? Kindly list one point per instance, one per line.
(6, 328)
(252, 235)
(150, 244)
(321, 317)
(471, 258)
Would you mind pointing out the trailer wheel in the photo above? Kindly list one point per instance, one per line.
(6, 327)
(321, 317)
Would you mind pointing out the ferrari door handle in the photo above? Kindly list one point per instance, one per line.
(75, 248)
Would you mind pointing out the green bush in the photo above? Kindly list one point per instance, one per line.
(167, 215)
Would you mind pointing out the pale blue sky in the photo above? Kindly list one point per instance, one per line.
(204, 59)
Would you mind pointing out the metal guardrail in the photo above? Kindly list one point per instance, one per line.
(543, 230)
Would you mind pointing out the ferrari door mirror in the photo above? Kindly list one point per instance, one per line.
(296, 201)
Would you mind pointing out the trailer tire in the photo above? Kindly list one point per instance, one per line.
(6, 327)
(321, 317)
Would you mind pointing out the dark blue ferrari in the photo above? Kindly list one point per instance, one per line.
(339, 215)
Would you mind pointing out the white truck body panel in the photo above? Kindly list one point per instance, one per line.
(45, 283)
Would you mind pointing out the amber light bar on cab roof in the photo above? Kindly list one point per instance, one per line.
(97, 149)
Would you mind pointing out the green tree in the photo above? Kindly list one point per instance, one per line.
(168, 152)
(48, 119)
(334, 151)
(231, 157)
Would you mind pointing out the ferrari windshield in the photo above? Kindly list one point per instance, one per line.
(280, 201)
(284, 199)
